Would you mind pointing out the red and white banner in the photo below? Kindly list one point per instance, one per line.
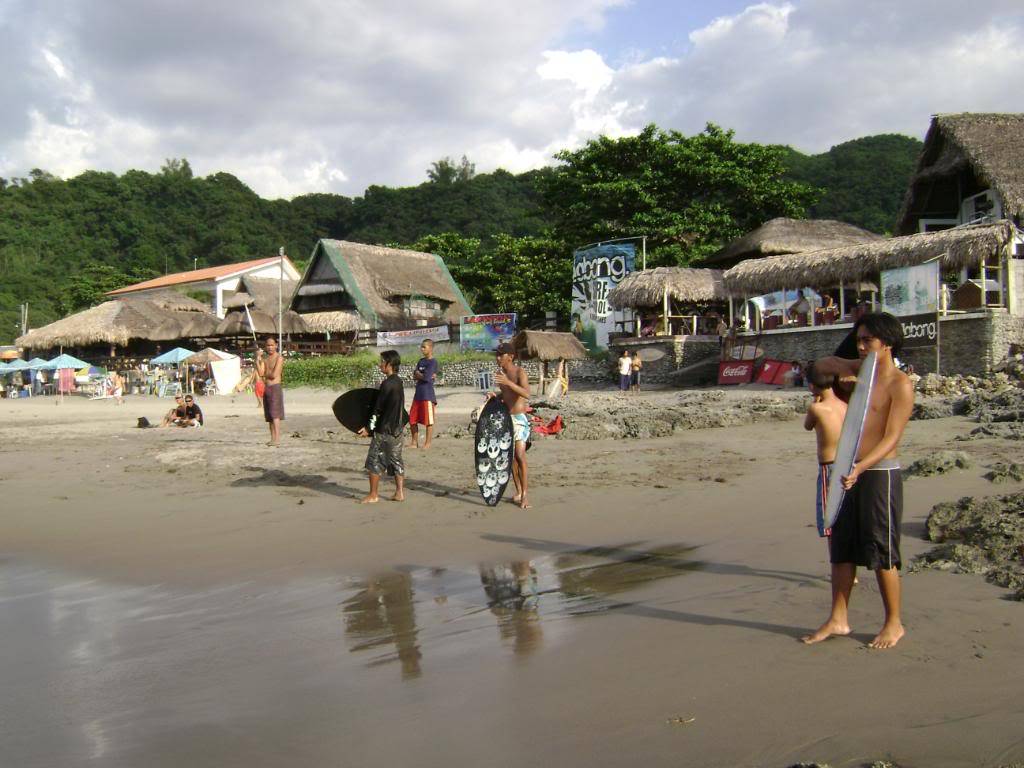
(774, 372)
(735, 371)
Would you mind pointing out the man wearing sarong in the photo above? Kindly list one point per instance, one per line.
(270, 367)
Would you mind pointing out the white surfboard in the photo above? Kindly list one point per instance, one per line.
(849, 437)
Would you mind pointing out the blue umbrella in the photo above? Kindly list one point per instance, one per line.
(173, 357)
(3, 367)
(65, 361)
(36, 363)
(18, 365)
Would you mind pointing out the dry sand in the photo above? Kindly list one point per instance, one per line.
(192, 597)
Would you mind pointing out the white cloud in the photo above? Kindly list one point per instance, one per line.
(334, 95)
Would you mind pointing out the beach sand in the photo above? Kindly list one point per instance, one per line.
(193, 597)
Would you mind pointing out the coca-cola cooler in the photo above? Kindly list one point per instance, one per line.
(735, 371)
(774, 372)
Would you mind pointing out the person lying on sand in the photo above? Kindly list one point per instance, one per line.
(867, 530)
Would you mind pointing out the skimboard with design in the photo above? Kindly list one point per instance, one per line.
(849, 437)
(354, 408)
(493, 448)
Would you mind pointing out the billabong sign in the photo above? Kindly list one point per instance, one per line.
(595, 271)
(920, 331)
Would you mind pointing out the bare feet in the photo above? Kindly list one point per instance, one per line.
(414, 446)
(523, 503)
(369, 499)
(426, 445)
(888, 637)
(399, 496)
(827, 630)
(515, 498)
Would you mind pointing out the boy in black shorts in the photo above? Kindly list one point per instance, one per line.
(386, 425)
(867, 530)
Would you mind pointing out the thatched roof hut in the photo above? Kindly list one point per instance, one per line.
(154, 317)
(783, 235)
(388, 288)
(548, 345)
(647, 287)
(965, 154)
(963, 246)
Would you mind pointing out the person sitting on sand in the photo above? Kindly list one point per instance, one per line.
(514, 387)
(386, 425)
(193, 414)
(176, 414)
(867, 530)
(825, 416)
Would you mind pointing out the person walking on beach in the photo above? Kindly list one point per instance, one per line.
(386, 425)
(625, 370)
(825, 416)
(424, 401)
(270, 369)
(635, 364)
(514, 386)
(867, 530)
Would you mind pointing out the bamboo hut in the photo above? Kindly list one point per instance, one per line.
(155, 317)
(378, 288)
(667, 292)
(965, 156)
(262, 298)
(960, 247)
(549, 346)
(782, 235)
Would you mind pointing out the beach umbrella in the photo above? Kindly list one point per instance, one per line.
(173, 357)
(3, 366)
(36, 363)
(207, 355)
(65, 361)
(18, 365)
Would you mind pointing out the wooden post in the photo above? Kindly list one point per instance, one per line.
(842, 302)
(665, 321)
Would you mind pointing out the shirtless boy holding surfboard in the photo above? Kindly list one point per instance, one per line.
(515, 389)
(867, 529)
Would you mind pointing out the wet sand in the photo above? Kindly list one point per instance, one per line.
(192, 597)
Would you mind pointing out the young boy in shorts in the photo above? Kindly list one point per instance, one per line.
(825, 416)
(424, 401)
(386, 424)
(867, 530)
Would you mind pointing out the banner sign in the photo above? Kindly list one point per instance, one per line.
(920, 330)
(486, 332)
(412, 337)
(911, 290)
(735, 371)
(595, 271)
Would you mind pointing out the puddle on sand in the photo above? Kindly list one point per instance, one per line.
(238, 675)
(393, 615)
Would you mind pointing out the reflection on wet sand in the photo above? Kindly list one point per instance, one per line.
(513, 593)
(383, 613)
(521, 595)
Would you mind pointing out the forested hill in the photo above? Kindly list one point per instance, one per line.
(65, 242)
(863, 180)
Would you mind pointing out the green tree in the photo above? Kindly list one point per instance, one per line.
(447, 171)
(688, 194)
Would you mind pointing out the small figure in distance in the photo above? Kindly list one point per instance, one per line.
(424, 401)
(176, 414)
(270, 370)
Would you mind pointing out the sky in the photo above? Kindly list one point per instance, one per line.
(336, 95)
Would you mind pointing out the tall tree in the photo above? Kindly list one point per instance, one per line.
(688, 194)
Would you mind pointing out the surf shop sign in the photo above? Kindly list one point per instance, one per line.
(912, 295)
(485, 332)
(595, 271)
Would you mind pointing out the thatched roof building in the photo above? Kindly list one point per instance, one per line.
(155, 317)
(385, 288)
(965, 155)
(960, 247)
(548, 345)
(262, 297)
(647, 287)
(782, 235)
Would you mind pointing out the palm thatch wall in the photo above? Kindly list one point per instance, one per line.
(784, 235)
(988, 144)
(548, 345)
(963, 246)
(155, 317)
(333, 322)
(646, 288)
